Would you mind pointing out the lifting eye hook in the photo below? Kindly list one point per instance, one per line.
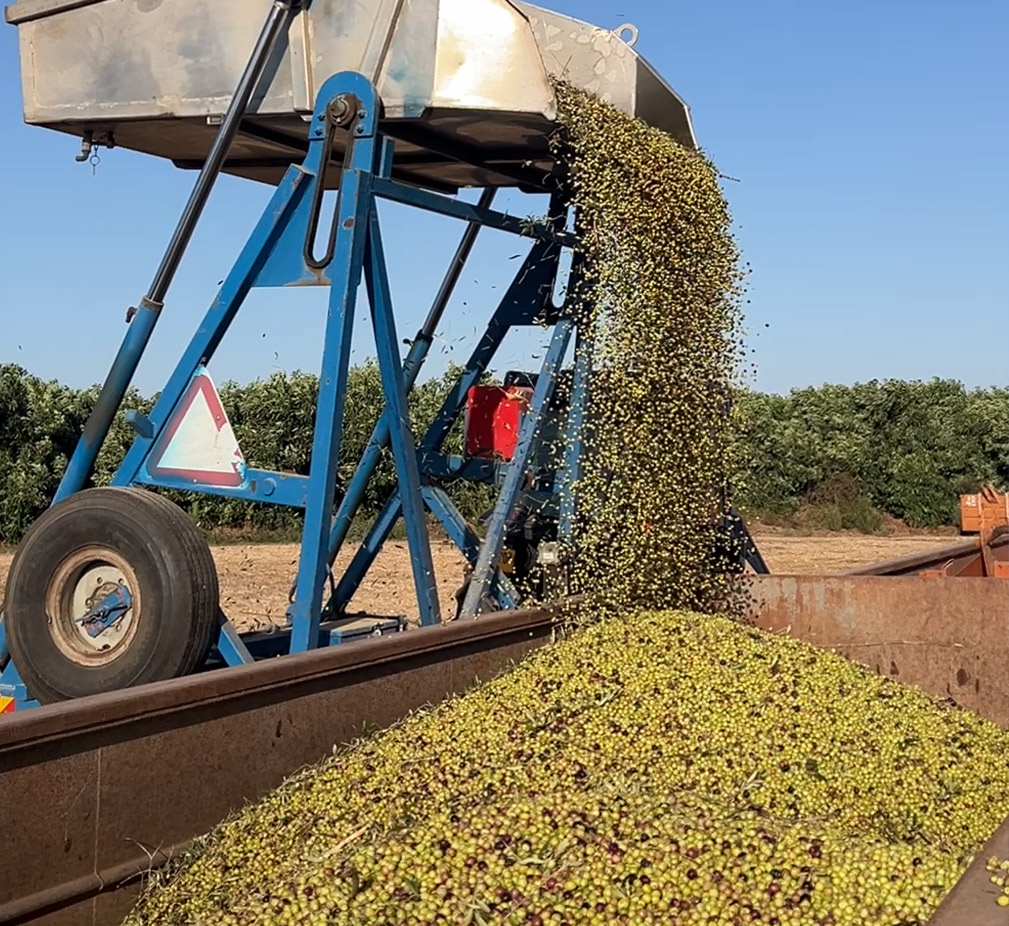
(627, 33)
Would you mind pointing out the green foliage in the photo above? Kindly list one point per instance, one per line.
(39, 425)
(273, 419)
(910, 447)
(839, 454)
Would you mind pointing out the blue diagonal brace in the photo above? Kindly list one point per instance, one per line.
(382, 526)
(352, 212)
(419, 349)
(275, 218)
(397, 416)
(463, 536)
(522, 304)
(494, 540)
(230, 645)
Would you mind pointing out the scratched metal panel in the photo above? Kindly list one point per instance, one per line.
(62, 791)
(488, 59)
(948, 636)
(602, 63)
(973, 899)
(126, 59)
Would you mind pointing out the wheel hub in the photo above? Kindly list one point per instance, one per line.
(106, 608)
(93, 606)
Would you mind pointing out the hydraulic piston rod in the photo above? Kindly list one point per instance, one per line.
(144, 317)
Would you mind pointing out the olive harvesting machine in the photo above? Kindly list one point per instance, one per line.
(112, 605)
(408, 101)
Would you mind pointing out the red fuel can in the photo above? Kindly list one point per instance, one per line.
(493, 417)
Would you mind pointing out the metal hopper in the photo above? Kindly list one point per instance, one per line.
(465, 83)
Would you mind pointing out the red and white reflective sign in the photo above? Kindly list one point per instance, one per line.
(198, 444)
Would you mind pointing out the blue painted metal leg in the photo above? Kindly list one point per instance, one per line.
(494, 541)
(345, 269)
(382, 526)
(575, 438)
(347, 266)
(528, 293)
(398, 417)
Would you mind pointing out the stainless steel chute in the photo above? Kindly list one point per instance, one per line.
(465, 83)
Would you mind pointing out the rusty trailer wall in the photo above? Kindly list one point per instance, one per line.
(93, 792)
(972, 901)
(948, 636)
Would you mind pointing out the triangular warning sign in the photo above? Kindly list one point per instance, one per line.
(198, 444)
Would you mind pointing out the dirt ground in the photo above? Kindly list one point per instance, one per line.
(826, 553)
(255, 577)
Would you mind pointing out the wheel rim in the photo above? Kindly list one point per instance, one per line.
(85, 579)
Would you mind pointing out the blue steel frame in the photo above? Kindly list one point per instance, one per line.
(281, 252)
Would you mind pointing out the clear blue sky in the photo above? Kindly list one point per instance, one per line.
(871, 139)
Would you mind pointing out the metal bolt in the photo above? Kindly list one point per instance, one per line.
(341, 110)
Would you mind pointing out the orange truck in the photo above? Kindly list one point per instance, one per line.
(986, 513)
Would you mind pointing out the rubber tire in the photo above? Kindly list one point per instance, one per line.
(178, 584)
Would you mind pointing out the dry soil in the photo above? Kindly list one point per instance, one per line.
(255, 577)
